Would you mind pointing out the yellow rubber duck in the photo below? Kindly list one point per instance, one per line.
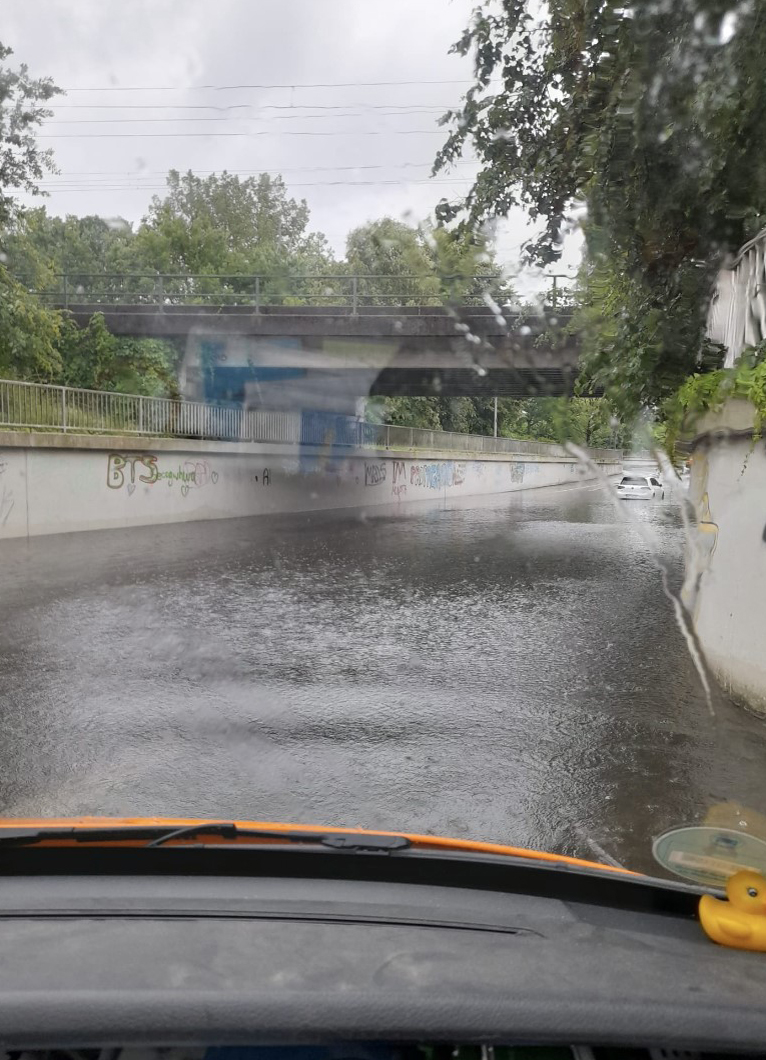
(740, 922)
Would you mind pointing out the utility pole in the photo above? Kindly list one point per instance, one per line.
(555, 276)
(495, 434)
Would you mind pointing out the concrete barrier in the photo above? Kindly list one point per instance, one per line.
(725, 589)
(54, 483)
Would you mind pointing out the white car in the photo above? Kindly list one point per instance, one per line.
(640, 487)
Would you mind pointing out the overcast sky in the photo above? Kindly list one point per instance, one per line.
(146, 84)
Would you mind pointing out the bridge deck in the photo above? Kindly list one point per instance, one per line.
(407, 350)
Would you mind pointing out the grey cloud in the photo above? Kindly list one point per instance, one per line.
(289, 42)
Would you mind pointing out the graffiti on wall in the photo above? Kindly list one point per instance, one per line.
(437, 476)
(127, 470)
(399, 479)
(265, 478)
(6, 495)
(374, 474)
(121, 470)
(517, 469)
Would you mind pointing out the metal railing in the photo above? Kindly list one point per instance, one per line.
(352, 292)
(38, 406)
(737, 314)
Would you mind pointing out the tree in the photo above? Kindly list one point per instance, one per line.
(407, 412)
(426, 265)
(227, 226)
(93, 358)
(22, 162)
(399, 264)
(392, 263)
(29, 334)
(28, 331)
(45, 249)
(649, 115)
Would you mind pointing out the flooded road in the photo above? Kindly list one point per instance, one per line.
(506, 668)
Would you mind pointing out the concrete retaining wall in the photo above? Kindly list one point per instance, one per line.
(726, 565)
(56, 483)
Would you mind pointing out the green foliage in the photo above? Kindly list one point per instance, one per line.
(409, 412)
(38, 246)
(584, 421)
(649, 115)
(95, 359)
(639, 344)
(29, 334)
(22, 162)
(708, 392)
(390, 251)
(145, 366)
(221, 224)
(427, 265)
(87, 354)
(460, 414)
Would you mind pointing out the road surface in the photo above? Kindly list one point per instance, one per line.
(507, 668)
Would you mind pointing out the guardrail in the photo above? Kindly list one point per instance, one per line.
(38, 406)
(353, 292)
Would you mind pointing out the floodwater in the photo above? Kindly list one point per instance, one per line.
(504, 668)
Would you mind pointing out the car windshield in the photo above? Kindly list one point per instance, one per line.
(327, 333)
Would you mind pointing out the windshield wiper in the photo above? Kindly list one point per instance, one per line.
(158, 835)
(333, 840)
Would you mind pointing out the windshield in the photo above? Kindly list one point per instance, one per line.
(327, 333)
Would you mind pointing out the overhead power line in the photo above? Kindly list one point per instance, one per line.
(251, 106)
(89, 186)
(276, 117)
(232, 88)
(255, 172)
(256, 132)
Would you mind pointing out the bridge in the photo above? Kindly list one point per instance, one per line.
(400, 335)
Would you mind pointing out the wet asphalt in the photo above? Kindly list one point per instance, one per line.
(502, 668)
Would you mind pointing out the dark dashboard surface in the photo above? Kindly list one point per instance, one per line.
(190, 956)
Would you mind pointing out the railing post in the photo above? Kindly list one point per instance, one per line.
(388, 436)
(66, 291)
(63, 408)
(140, 415)
(354, 295)
(257, 294)
(159, 291)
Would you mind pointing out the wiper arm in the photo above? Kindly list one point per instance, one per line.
(333, 840)
(158, 835)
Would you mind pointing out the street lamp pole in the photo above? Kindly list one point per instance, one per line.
(495, 434)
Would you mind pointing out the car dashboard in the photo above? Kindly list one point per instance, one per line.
(258, 956)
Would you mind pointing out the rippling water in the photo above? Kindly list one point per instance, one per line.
(504, 668)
